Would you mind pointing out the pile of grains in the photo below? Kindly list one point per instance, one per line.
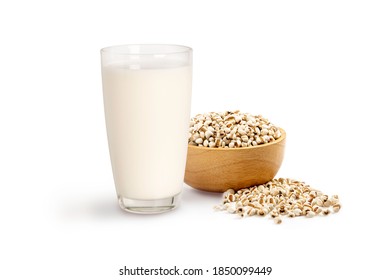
(231, 129)
(278, 198)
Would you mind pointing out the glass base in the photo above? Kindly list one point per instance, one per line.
(148, 206)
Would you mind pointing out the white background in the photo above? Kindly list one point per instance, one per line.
(319, 69)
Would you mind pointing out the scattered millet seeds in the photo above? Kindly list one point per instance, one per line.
(277, 198)
(231, 129)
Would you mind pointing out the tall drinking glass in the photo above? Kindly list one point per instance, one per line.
(147, 94)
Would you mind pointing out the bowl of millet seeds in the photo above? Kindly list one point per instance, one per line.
(232, 150)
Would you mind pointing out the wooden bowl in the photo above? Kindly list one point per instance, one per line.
(220, 169)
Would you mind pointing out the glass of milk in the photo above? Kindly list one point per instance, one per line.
(147, 94)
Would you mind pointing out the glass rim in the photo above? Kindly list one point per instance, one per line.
(179, 49)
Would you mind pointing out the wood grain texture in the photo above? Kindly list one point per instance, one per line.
(219, 169)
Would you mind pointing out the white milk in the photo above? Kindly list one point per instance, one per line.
(147, 118)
